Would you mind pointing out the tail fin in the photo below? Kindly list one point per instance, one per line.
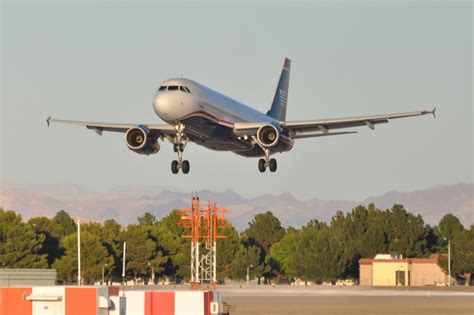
(278, 109)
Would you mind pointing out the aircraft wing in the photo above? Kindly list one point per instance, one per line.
(161, 130)
(323, 127)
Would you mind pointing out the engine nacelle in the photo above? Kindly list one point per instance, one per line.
(138, 140)
(268, 136)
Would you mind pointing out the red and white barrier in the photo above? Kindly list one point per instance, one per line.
(90, 300)
(171, 303)
(57, 300)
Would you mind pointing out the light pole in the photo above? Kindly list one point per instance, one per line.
(248, 277)
(152, 273)
(103, 273)
(123, 261)
(449, 261)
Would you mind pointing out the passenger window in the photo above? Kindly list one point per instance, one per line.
(187, 90)
(162, 88)
(172, 88)
(182, 89)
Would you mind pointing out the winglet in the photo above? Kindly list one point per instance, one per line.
(47, 120)
(433, 112)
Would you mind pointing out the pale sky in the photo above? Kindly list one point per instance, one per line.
(99, 61)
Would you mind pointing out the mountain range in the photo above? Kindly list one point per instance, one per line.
(125, 204)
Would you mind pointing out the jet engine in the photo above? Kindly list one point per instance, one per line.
(268, 136)
(138, 140)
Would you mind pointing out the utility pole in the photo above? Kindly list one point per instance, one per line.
(103, 274)
(449, 262)
(123, 260)
(152, 273)
(78, 252)
(248, 276)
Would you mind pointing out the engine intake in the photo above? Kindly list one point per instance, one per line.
(268, 136)
(138, 140)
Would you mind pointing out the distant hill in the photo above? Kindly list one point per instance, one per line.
(125, 204)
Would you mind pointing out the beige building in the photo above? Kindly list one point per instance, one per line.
(386, 270)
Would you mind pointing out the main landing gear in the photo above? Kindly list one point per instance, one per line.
(267, 162)
(178, 147)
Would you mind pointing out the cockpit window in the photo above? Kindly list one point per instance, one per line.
(187, 90)
(182, 89)
(172, 88)
(162, 88)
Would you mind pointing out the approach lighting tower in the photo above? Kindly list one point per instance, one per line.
(204, 224)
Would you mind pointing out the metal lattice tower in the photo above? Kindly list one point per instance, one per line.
(204, 225)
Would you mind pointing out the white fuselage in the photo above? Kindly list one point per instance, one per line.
(209, 116)
(176, 106)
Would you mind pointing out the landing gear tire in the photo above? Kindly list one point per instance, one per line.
(261, 165)
(174, 167)
(272, 165)
(185, 167)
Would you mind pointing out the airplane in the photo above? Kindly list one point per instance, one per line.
(196, 113)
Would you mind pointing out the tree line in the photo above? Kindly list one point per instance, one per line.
(318, 251)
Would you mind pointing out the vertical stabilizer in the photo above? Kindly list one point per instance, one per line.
(278, 109)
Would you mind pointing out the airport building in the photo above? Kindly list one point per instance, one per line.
(394, 270)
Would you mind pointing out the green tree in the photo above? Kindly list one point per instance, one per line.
(316, 254)
(462, 255)
(247, 257)
(141, 251)
(281, 251)
(94, 256)
(175, 249)
(50, 247)
(147, 219)
(62, 225)
(407, 233)
(53, 230)
(447, 227)
(20, 246)
(363, 232)
(108, 233)
(226, 251)
(263, 231)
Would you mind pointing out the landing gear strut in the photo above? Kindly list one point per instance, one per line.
(267, 162)
(178, 147)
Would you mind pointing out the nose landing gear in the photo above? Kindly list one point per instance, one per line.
(178, 147)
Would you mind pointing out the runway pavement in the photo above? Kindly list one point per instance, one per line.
(285, 299)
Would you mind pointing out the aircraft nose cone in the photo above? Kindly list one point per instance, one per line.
(162, 105)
